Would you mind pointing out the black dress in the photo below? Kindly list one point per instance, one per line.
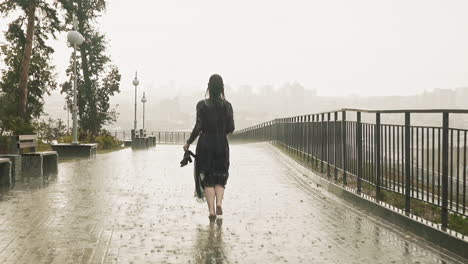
(214, 121)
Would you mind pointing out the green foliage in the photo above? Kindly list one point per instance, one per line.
(41, 74)
(50, 129)
(65, 139)
(459, 223)
(98, 80)
(107, 141)
(10, 123)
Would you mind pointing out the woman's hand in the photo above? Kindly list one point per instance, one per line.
(186, 147)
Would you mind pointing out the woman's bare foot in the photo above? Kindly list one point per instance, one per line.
(212, 212)
(212, 217)
(219, 210)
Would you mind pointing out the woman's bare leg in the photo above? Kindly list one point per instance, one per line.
(219, 193)
(210, 197)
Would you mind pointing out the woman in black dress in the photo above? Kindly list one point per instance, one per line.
(214, 121)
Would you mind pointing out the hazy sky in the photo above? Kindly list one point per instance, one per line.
(338, 47)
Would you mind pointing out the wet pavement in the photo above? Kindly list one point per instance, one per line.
(138, 207)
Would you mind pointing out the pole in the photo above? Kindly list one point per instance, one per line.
(343, 146)
(445, 169)
(135, 122)
(377, 156)
(143, 115)
(359, 151)
(75, 119)
(407, 154)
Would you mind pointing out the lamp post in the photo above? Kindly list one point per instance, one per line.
(75, 150)
(135, 83)
(76, 39)
(143, 100)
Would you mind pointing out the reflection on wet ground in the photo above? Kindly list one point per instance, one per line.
(209, 246)
(138, 207)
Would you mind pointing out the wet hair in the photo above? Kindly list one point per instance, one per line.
(216, 87)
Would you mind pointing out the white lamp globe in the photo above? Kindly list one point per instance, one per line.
(136, 81)
(74, 37)
(81, 40)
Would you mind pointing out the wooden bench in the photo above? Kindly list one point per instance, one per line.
(33, 163)
(5, 173)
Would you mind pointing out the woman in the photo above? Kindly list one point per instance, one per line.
(214, 122)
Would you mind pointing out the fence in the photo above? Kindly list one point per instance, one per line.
(168, 137)
(426, 163)
(162, 137)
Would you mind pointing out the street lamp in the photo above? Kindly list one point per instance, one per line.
(76, 39)
(135, 83)
(143, 100)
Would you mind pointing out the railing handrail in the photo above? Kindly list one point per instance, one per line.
(361, 110)
(388, 111)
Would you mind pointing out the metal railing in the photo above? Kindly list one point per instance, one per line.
(170, 137)
(426, 163)
(162, 137)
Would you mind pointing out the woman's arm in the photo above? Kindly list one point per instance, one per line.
(230, 119)
(197, 128)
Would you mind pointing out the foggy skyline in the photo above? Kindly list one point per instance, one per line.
(333, 47)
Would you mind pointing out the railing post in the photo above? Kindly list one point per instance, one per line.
(318, 141)
(308, 139)
(359, 150)
(314, 141)
(304, 137)
(289, 133)
(335, 145)
(377, 156)
(445, 167)
(407, 162)
(322, 144)
(343, 146)
(328, 143)
(297, 137)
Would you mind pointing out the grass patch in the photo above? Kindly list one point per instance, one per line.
(41, 146)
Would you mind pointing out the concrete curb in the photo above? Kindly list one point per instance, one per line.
(410, 223)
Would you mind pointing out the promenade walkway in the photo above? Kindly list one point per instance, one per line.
(138, 207)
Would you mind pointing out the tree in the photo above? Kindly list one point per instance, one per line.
(29, 73)
(50, 129)
(98, 80)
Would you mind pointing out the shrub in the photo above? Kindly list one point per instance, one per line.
(107, 141)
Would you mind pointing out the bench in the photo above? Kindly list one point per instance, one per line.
(5, 173)
(33, 163)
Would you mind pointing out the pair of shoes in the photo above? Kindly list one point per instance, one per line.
(219, 210)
